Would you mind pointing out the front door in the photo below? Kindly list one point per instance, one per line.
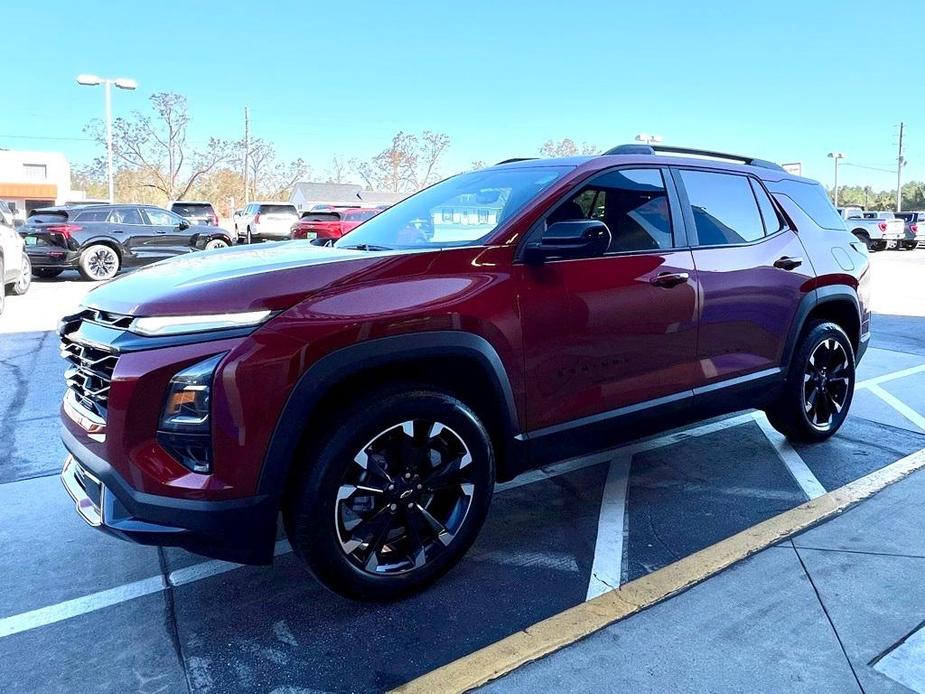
(608, 332)
(173, 233)
(752, 269)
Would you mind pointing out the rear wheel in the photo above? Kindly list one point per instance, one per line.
(910, 245)
(98, 262)
(25, 277)
(395, 497)
(864, 237)
(46, 273)
(216, 243)
(819, 386)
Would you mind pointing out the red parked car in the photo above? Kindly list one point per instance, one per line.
(330, 225)
(375, 391)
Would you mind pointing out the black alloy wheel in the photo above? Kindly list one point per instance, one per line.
(817, 393)
(390, 499)
(827, 379)
(405, 498)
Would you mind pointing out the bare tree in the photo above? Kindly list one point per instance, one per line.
(337, 170)
(155, 147)
(566, 147)
(409, 163)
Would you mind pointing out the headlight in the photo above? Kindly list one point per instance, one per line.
(184, 429)
(157, 326)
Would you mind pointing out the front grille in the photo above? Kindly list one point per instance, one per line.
(90, 369)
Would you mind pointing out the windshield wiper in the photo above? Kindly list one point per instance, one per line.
(367, 247)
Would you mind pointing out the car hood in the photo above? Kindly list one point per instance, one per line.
(243, 278)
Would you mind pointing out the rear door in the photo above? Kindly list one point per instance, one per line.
(752, 269)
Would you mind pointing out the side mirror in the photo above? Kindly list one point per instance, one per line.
(585, 238)
(183, 225)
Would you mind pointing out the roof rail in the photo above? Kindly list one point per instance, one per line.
(656, 149)
(511, 161)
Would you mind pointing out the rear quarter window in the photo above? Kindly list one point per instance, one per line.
(93, 216)
(812, 199)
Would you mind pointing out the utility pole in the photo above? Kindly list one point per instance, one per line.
(836, 156)
(900, 162)
(247, 150)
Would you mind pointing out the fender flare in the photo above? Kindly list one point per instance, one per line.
(812, 300)
(333, 368)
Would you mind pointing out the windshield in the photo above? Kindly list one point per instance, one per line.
(459, 211)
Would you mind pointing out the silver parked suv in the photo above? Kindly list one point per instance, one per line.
(265, 221)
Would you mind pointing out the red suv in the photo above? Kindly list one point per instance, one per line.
(326, 226)
(374, 392)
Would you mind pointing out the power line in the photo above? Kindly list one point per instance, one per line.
(45, 137)
(870, 168)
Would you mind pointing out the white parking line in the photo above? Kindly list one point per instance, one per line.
(906, 663)
(791, 459)
(607, 567)
(877, 380)
(898, 405)
(43, 616)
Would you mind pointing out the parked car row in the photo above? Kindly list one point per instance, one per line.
(101, 240)
(880, 230)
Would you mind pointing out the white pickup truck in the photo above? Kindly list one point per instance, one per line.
(878, 230)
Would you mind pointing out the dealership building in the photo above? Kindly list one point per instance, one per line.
(33, 179)
(306, 195)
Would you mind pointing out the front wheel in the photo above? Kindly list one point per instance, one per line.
(216, 243)
(98, 262)
(25, 277)
(819, 386)
(395, 497)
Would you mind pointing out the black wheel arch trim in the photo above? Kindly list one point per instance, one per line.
(334, 368)
(812, 300)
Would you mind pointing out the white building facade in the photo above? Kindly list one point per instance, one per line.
(33, 179)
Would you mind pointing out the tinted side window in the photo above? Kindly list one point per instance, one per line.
(769, 216)
(812, 199)
(633, 204)
(93, 216)
(724, 208)
(126, 215)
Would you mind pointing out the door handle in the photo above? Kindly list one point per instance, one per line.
(118, 231)
(160, 232)
(670, 279)
(787, 263)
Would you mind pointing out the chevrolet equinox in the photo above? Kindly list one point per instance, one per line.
(373, 392)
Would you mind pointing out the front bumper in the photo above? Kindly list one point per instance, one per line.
(238, 530)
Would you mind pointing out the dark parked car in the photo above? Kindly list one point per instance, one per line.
(195, 212)
(375, 391)
(100, 240)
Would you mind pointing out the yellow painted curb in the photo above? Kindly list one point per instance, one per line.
(577, 622)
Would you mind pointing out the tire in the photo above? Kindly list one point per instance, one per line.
(909, 245)
(98, 262)
(798, 414)
(46, 273)
(440, 477)
(25, 277)
(217, 243)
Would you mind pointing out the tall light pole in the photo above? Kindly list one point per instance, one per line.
(649, 139)
(121, 83)
(836, 156)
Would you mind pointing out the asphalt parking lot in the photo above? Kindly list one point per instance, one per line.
(82, 611)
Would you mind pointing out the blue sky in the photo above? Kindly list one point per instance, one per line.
(786, 80)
